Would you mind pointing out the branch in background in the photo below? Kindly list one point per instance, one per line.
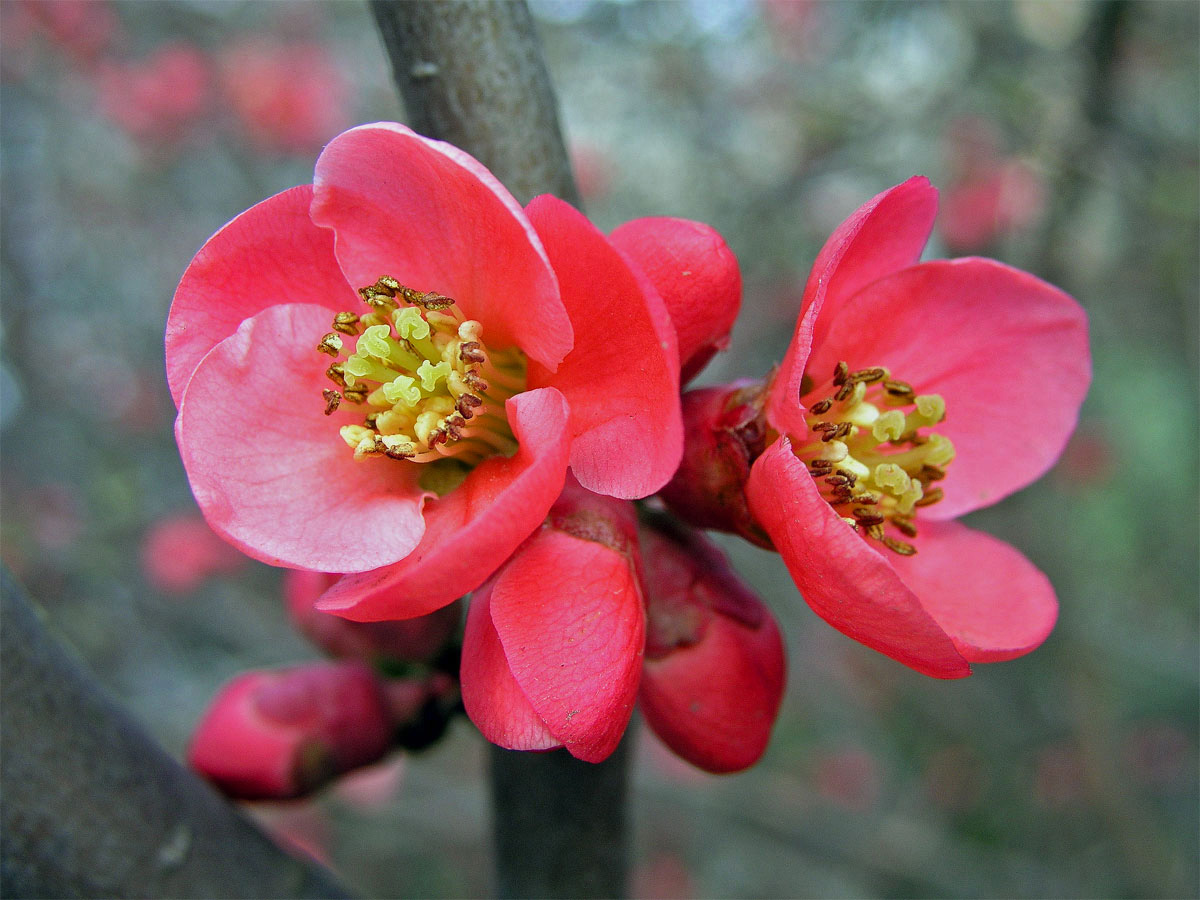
(93, 807)
(472, 73)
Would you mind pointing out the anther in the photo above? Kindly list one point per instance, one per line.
(331, 344)
(820, 467)
(898, 388)
(840, 372)
(844, 391)
(930, 498)
(930, 473)
(897, 546)
(821, 406)
(850, 477)
(471, 352)
(868, 376)
(336, 374)
(332, 401)
(867, 517)
(346, 323)
(355, 394)
(905, 525)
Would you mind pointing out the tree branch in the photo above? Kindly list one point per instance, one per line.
(93, 807)
(472, 73)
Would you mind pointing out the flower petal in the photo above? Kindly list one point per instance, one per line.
(490, 693)
(992, 601)
(846, 582)
(272, 253)
(1007, 352)
(433, 217)
(884, 235)
(268, 467)
(622, 377)
(697, 276)
(569, 615)
(474, 528)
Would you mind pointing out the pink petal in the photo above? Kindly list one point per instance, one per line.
(1008, 352)
(272, 253)
(268, 467)
(569, 615)
(490, 693)
(991, 600)
(434, 218)
(846, 582)
(622, 377)
(884, 235)
(697, 276)
(474, 528)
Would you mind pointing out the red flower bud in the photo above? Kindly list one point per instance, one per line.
(714, 668)
(724, 432)
(282, 734)
(410, 640)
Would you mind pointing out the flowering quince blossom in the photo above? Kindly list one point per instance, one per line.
(388, 373)
(912, 392)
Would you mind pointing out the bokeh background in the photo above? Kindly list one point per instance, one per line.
(1064, 137)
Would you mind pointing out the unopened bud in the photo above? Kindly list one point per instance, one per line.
(714, 668)
(285, 733)
(406, 640)
(725, 430)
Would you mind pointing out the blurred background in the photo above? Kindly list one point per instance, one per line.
(1064, 138)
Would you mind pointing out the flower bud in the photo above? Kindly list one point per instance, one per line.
(724, 432)
(408, 640)
(697, 276)
(285, 733)
(714, 668)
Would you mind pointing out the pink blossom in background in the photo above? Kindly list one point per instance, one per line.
(286, 97)
(849, 778)
(159, 100)
(79, 30)
(179, 552)
(285, 466)
(593, 171)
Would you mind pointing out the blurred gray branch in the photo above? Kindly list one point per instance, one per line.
(93, 807)
(472, 73)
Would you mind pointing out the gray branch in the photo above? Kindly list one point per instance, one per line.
(93, 807)
(472, 73)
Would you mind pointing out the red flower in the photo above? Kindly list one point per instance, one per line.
(913, 393)
(497, 346)
(553, 646)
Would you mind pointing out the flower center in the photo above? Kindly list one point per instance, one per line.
(433, 390)
(867, 452)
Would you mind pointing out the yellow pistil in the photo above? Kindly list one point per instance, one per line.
(433, 389)
(868, 454)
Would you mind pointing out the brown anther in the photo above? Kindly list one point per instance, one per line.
(356, 394)
(821, 465)
(898, 388)
(381, 303)
(898, 546)
(930, 473)
(834, 480)
(865, 499)
(453, 432)
(868, 376)
(430, 300)
(875, 531)
(471, 351)
(332, 401)
(825, 426)
(346, 323)
(821, 406)
(840, 372)
(844, 391)
(437, 436)
(477, 384)
(842, 494)
(848, 475)
(398, 452)
(331, 344)
(371, 419)
(905, 524)
(930, 498)
(388, 285)
(336, 374)
(843, 429)
(867, 517)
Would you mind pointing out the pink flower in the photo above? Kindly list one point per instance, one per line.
(913, 393)
(715, 668)
(496, 347)
(159, 99)
(287, 97)
(283, 734)
(553, 647)
(179, 552)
